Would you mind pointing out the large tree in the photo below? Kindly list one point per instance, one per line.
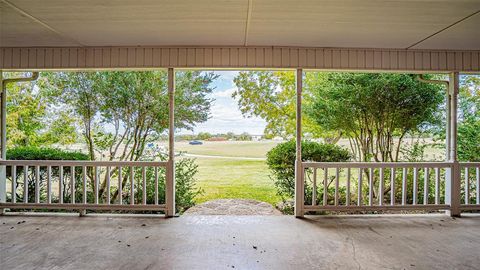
(121, 112)
(271, 96)
(375, 111)
(469, 124)
(31, 121)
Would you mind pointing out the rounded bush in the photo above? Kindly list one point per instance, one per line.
(281, 162)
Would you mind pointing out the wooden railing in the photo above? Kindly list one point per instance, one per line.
(84, 185)
(365, 186)
(342, 186)
(470, 187)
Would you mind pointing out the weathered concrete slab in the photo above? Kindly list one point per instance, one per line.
(240, 242)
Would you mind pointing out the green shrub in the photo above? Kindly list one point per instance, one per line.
(185, 170)
(185, 185)
(281, 162)
(36, 153)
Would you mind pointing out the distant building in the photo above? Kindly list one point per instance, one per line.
(257, 138)
(217, 139)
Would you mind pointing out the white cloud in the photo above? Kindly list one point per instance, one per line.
(225, 93)
(227, 75)
(225, 116)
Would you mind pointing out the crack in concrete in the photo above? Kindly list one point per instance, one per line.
(355, 253)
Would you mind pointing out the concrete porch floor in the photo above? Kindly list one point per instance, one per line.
(240, 242)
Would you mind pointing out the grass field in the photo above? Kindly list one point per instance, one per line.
(228, 148)
(229, 174)
(228, 178)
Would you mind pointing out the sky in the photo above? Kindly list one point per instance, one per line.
(225, 116)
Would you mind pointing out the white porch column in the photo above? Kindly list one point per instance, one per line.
(170, 174)
(452, 185)
(299, 183)
(3, 143)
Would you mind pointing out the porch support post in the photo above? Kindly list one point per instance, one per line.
(170, 173)
(299, 183)
(452, 185)
(3, 142)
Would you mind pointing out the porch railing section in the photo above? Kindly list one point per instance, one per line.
(470, 186)
(366, 186)
(83, 185)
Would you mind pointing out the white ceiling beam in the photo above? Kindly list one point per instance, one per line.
(36, 20)
(247, 23)
(443, 29)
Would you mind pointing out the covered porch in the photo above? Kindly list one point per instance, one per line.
(372, 36)
(241, 242)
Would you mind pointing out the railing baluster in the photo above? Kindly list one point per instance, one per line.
(392, 186)
(14, 184)
(60, 185)
(84, 180)
(96, 176)
(144, 183)
(347, 196)
(39, 179)
(72, 172)
(337, 176)
(467, 187)
(359, 195)
(370, 188)
(380, 188)
(25, 184)
(132, 186)
(426, 185)
(404, 186)
(156, 185)
(108, 185)
(415, 185)
(325, 184)
(37, 184)
(120, 187)
(49, 184)
(418, 175)
(437, 185)
(314, 188)
(478, 185)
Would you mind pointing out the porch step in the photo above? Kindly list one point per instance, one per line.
(234, 207)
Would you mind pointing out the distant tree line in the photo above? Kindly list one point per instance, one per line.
(208, 136)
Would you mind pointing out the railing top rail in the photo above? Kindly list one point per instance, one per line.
(377, 164)
(470, 164)
(83, 163)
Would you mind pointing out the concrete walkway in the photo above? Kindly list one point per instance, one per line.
(234, 207)
(240, 242)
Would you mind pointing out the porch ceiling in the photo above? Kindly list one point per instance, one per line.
(436, 24)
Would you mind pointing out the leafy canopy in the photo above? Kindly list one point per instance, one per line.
(30, 119)
(469, 124)
(271, 96)
(375, 111)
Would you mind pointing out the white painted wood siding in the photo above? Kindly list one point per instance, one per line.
(238, 58)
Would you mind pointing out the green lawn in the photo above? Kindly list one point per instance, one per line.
(233, 177)
(228, 148)
(230, 178)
